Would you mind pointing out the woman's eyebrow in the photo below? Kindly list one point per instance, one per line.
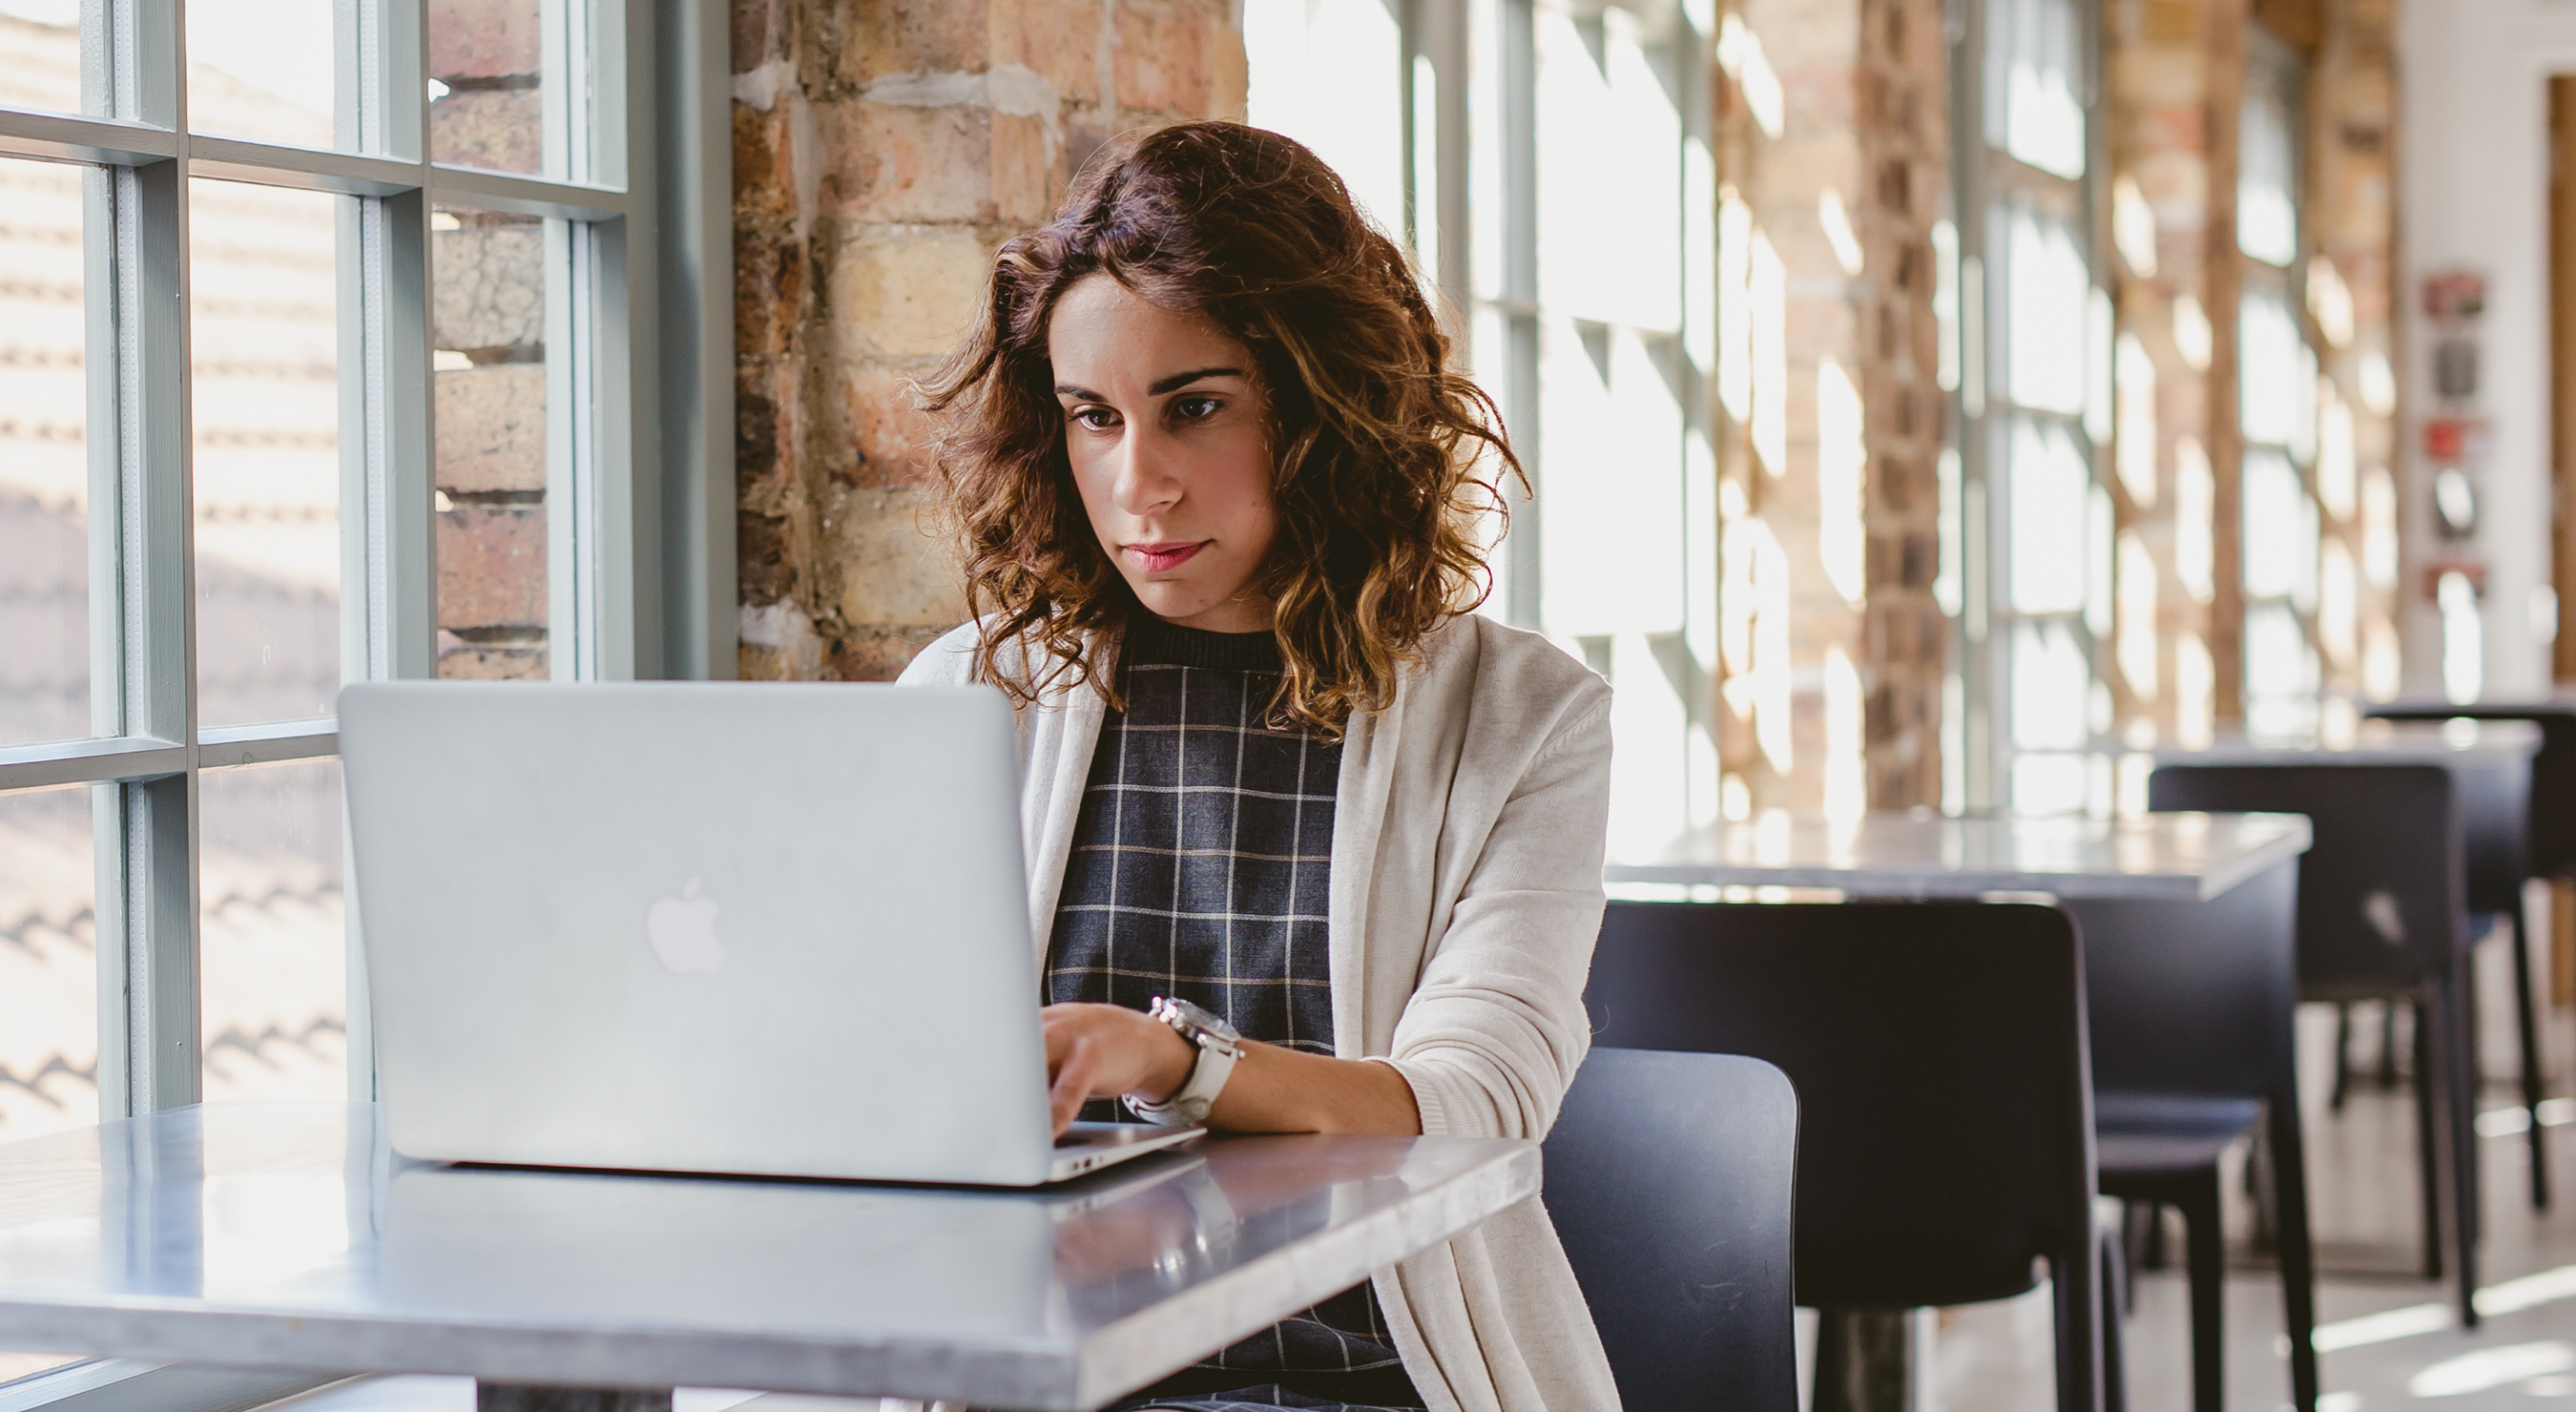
(1173, 383)
(1178, 381)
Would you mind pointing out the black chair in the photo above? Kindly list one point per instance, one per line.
(2383, 915)
(1669, 1178)
(2520, 824)
(2193, 1010)
(1945, 1104)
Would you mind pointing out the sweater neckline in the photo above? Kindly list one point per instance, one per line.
(1151, 640)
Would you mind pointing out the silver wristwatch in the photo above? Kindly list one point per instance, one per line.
(1219, 1045)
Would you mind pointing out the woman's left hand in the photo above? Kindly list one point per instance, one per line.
(1104, 1051)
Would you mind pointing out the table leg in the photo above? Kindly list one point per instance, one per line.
(1864, 1361)
(539, 1397)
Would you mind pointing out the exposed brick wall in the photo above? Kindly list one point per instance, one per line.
(1863, 129)
(2177, 78)
(488, 324)
(882, 150)
(1903, 118)
(2352, 182)
(2160, 115)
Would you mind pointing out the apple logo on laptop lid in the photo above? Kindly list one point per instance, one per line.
(683, 931)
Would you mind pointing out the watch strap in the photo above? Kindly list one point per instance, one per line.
(1189, 1104)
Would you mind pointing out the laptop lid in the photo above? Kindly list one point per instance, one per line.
(725, 927)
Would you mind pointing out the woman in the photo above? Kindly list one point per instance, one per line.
(1217, 492)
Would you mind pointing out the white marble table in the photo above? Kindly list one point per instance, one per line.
(2162, 857)
(289, 1235)
(2459, 742)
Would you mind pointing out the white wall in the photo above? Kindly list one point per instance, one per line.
(2473, 168)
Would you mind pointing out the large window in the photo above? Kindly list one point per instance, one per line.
(319, 332)
(2034, 519)
(1548, 164)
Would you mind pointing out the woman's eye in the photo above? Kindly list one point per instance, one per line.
(1094, 418)
(1196, 409)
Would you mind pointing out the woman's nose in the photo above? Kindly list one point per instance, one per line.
(1144, 483)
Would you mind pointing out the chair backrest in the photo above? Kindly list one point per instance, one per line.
(2383, 895)
(1938, 1050)
(2194, 998)
(2495, 827)
(1669, 1178)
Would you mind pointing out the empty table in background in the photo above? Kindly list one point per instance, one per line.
(2163, 902)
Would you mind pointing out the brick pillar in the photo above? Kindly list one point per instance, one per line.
(2352, 180)
(882, 151)
(2222, 283)
(2161, 115)
(1905, 144)
(1832, 516)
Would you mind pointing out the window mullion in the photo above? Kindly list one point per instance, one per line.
(1516, 60)
(146, 900)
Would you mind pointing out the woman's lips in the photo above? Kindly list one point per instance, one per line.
(1160, 558)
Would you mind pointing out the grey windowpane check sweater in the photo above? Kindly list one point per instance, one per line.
(1199, 869)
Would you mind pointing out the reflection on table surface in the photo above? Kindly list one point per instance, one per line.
(2182, 856)
(301, 1210)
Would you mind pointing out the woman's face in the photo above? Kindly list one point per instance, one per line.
(1167, 431)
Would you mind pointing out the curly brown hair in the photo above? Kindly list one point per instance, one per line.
(1377, 441)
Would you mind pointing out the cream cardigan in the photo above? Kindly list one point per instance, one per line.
(1466, 892)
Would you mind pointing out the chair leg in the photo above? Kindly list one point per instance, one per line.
(2114, 1274)
(2297, 1241)
(2343, 1054)
(1862, 1361)
(2462, 1066)
(2153, 1256)
(2532, 1084)
(2388, 1044)
(2075, 1284)
(2428, 1143)
(2206, 1259)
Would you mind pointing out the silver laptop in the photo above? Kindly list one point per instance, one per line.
(758, 929)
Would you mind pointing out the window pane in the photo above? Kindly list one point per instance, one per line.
(1330, 74)
(1609, 169)
(487, 106)
(44, 456)
(2050, 684)
(2281, 530)
(2267, 223)
(266, 350)
(2034, 65)
(489, 331)
(40, 53)
(262, 69)
(2046, 287)
(2049, 486)
(48, 966)
(2281, 672)
(2277, 381)
(275, 961)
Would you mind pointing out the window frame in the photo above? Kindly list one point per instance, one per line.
(1984, 178)
(654, 330)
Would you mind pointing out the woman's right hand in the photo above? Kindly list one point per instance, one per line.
(1104, 1051)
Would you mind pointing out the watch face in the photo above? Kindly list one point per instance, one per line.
(1201, 1017)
